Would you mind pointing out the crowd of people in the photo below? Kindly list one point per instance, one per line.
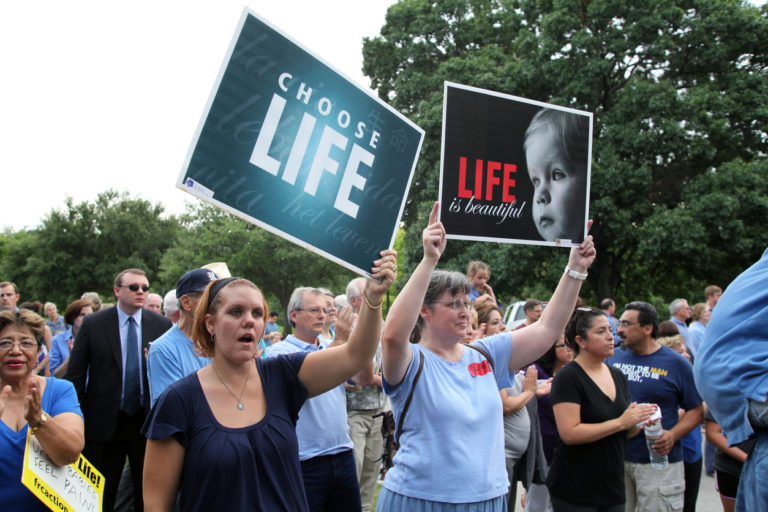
(213, 407)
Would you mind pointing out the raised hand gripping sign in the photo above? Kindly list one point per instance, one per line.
(512, 169)
(289, 144)
(78, 487)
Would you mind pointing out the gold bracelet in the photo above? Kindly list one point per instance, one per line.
(43, 420)
(365, 298)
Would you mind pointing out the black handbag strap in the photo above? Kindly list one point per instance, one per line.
(413, 387)
(408, 402)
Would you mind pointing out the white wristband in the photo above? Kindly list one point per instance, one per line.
(576, 275)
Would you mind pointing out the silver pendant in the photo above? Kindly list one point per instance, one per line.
(240, 405)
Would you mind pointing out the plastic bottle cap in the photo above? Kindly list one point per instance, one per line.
(656, 416)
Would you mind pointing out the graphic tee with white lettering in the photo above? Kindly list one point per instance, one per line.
(664, 378)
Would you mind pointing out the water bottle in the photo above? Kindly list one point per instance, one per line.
(652, 433)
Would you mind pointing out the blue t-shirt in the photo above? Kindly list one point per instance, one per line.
(731, 365)
(452, 442)
(322, 428)
(58, 397)
(248, 468)
(171, 357)
(692, 445)
(59, 349)
(664, 378)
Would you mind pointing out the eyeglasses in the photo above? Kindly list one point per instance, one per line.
(627, 323)
(24, 344)
(456, 304)
(134, 287)
(316, 311)
(561, 345)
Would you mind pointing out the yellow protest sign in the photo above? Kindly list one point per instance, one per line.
(78, 487)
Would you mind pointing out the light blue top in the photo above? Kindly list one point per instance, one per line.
(171, 357)
(696, 330)
(682, 328)
(731, 366)
(57, 326)
(271, 327)
(59, 349)
(452, 443)
(322, 428)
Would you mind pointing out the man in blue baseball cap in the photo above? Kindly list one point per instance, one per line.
(172, 355)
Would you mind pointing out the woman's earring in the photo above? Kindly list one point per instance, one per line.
(213, 338)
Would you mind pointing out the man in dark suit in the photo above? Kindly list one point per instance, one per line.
(107, 366)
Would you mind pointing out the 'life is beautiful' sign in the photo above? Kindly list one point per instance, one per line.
(512, 169)
(290, 144)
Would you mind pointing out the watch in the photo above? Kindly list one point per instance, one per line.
(43, 419)
(576, 275)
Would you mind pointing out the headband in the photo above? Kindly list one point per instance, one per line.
(216, 288)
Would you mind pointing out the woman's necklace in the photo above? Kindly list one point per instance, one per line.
(239, 402)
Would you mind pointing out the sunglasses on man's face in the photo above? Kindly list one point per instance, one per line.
(135, 287)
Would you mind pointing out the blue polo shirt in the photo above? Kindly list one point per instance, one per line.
(322, 428)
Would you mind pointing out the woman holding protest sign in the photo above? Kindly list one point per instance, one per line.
(225, 436)
(47, 407)
(451, 454)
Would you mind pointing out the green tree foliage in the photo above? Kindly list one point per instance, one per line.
(679, 90)
(273, 264)
(82, 247)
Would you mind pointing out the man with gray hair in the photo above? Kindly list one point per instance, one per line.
(171, 306)
(154, 303)
(94, 298)
(365, 403)
(325, 449)
(680, 312)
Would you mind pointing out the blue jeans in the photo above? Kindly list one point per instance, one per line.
(753, 486)
(330, 482)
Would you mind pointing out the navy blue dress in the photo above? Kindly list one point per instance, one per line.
(250, 468)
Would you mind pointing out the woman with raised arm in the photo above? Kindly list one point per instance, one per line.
(445, 394)
(225, 436)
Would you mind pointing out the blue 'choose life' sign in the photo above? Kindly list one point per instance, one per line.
(289, 144)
